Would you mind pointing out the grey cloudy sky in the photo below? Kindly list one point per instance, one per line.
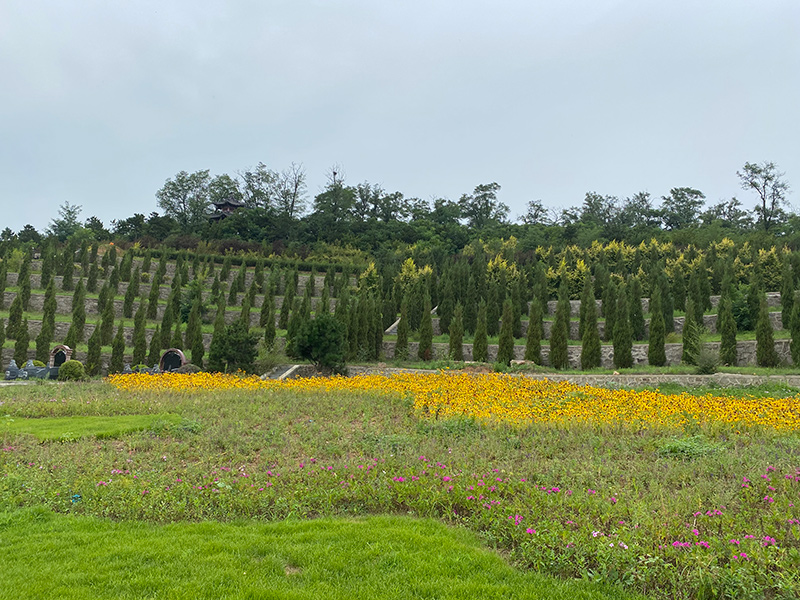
(102, 101)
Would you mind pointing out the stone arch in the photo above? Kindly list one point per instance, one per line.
(171, 359)
(59, 355)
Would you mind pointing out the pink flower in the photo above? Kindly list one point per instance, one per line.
(530, 531)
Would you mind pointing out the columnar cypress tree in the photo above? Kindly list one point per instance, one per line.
(225, 271)
(215, 287)
(505, 348)
(244, 314)
(71, 338)
(79, 311)
(107, 324)
(154, 350)
(470, 307)
(252, 291)
(623, 332)
(49, 311)
(667, 306)
(258, 274)
(131, 293)
(2, 336)
(161, 272)
(267, 307)
(590, 341)
(198, 350)
(377, 330)
(416, 303)
(48, 262)
(103, 298)
(14, 318)
(3, 280)
(146, 261)
(705, 288)
(219, 319)
(286, 307)
(401, 346)
(113, 281)
(296, 321)
(425, 350)
(446, 305)
(118, 351)
(269, 322)
(765, 343)
(610, 308)
(139, 337)
(91, 281)
(457, 333)
(177, 336)
(656, 352)
(105, 262)
(559, 335)
(152, 300)
(587, 296)
(726, 325)
(125, 266)
(635, 301)
(366, 337)
(324, 304)
(679, 291)
(480, 342)
(93, 353)
(695, 293)
(754, 293)
(795, 331)
(24, 281)
(539, 285)
(43, 345)
(691, 333)
(493, 308)
(787, 295)
(233, 292)
(533, 339)
(21, 346)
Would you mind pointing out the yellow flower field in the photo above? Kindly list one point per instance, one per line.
(498, 398)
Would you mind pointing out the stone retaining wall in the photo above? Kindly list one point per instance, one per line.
(746, 352)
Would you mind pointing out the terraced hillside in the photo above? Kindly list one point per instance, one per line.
(118, 290)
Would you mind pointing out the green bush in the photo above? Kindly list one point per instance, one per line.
(71, 370)
(322, 341)
(707, 361)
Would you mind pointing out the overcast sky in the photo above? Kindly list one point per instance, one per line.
(102, 101)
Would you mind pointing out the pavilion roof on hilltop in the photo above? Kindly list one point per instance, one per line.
(228, 202)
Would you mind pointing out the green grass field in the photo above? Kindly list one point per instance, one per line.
(50, 556)
(292, 469)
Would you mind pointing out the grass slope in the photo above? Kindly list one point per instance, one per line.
(50, 556)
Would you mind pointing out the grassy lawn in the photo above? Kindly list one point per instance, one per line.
(600, 502)
(71, 428)
(50, 556)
